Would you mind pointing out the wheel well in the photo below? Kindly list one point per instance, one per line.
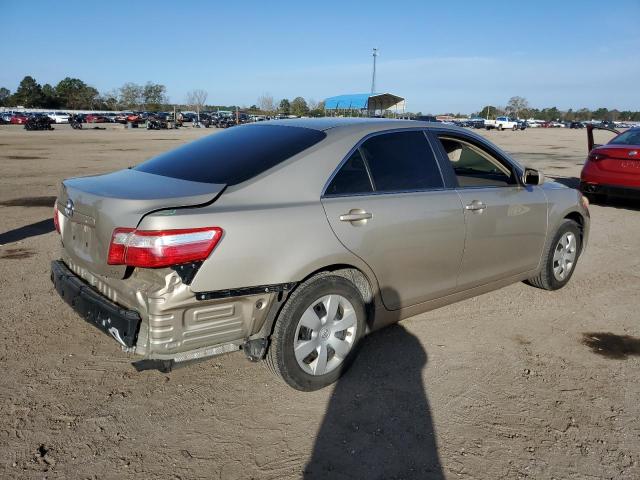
(351, 273)
(356, 276)
(579, 219)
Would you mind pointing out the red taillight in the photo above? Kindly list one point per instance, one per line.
(56, 220)
(118, 245)
(598, 156)
(161, 248)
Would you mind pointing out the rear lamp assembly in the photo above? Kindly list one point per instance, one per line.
(161, 248)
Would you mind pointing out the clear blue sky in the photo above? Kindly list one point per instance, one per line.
(441, 56)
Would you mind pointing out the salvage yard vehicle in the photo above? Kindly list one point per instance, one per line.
(613, 168)
(96, 118)
(503, 123)
(293, 239)
(18, 119)
(38, 121)
(59, 117)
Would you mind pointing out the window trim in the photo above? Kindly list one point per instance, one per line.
(357, 146)
(514, 168)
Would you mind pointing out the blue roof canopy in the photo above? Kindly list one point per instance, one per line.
(362, 101)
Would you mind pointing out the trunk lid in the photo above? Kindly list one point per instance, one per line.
(618, 159)
(91, 207)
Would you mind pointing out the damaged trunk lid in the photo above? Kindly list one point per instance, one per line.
(90, 208)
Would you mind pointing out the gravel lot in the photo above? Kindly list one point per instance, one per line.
(509, 385)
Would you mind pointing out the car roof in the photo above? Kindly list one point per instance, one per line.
(329, 123)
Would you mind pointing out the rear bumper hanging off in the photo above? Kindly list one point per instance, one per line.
(120, 323)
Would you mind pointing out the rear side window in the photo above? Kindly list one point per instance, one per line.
(401, 161)
(233, 156)
(352, 178)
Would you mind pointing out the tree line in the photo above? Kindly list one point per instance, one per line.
(74, 94)
(298, 106)
(519, 107)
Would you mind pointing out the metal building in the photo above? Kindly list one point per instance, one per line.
(366, 104)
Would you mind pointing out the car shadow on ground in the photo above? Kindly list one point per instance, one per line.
(613, 202)
(378, 423)
(32, 230)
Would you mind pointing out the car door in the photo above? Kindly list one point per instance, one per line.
(387, 204)
(506, 220)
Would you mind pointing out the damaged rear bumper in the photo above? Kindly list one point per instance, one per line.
(120, 323)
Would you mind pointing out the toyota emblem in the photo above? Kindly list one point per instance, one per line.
(68, 208)
(633, 153)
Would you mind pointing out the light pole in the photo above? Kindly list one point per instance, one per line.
(373, 78)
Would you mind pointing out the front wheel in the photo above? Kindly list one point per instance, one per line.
(317, 332)
(500, 127)
(559, 258)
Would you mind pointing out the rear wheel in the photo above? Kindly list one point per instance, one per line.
(500, 127)
(560, 258)
(317, 332)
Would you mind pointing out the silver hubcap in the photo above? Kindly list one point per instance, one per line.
(325, 334)
(564, 256)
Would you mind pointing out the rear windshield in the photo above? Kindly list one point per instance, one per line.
(233, 156)
(630, 137)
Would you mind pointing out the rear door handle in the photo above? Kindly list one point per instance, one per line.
(356, 215)
(475, 206)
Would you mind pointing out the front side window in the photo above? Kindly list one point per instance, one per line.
(475, 167)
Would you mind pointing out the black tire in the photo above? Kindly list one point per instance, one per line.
(500, 127)
(280, 358)
(545, 278)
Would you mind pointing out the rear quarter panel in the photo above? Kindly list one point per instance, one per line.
(564, 201)
(275, 229)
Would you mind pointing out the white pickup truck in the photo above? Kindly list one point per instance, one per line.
(502, 123)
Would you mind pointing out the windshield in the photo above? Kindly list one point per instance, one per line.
(233, 156)
(630, 137)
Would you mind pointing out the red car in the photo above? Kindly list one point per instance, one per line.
(613, 168)
(134, 118)
(95, 118)
(18, 119)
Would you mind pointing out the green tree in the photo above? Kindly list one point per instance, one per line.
(28, 94)
(317, 110)
(299, 107)
(285, 107)
(50, 97)
(5, 94)
(154, 95)
(490, 112)
(75, 94)
(601, 114)
(583, 114)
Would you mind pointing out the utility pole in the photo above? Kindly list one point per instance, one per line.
(373, 79)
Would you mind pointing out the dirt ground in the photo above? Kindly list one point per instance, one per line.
(513, 384)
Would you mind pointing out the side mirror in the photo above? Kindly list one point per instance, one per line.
(532, 177)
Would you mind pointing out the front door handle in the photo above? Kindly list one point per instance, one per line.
(357, 216)
(475, 206)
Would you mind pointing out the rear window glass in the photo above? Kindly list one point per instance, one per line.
(233, 156)
(630, 137)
